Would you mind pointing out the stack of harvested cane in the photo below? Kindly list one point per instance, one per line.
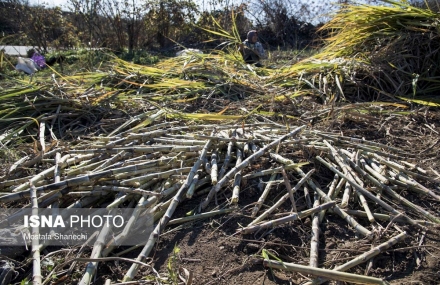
(157, 167)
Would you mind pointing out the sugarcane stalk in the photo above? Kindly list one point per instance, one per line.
(127, 190)
(361, 141)
(47, 173)
(199, 216)
(307, 197)
(214, 168)
(237, 179)
(42, 141)
(54, 206)
(96, 253)
(341, 159)
(141, 205)
(36, 267)
(415, 185)
(338, 188)
(76, 181)
(280, 159)
(326, 273)
(363, 191)
(289, 190)
(352, 222)
(263, 173)
(377, 175)
(363, 257)
(393, 194)
(244, 164)
(150, 183)
(148, 120)
(192, 187)
(139, 149)
(263, 195)
(346, 196)
(111, 160)
(226, 161)
(164, 220)
(282, 199)
(87, 193)
(414, 167)
(401, 168)
(385, 217)
(172, 141)
(378, 152)
(207, 166)
(154, 166)
(401, 180)
(331, 191)
(118, 201)
(286, 219)
(314, 243)
(165, 174)
(83, 202)
(86, 166)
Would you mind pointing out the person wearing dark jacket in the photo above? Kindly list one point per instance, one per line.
(252, 50)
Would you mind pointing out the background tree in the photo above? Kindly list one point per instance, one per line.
(171, 20)
(151, 24)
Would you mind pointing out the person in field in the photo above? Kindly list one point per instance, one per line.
(252, 50)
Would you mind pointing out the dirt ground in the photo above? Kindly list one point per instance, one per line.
(214, 253)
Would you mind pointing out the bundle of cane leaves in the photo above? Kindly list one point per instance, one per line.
(395, 42)
(186, 78)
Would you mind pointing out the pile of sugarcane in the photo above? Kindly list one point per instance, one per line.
(156, 166)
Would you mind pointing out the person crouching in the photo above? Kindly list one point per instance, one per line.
(252, 50)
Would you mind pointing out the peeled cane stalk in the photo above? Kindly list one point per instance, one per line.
(42, 141)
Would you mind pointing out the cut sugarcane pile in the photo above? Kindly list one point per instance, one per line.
(370, 185)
